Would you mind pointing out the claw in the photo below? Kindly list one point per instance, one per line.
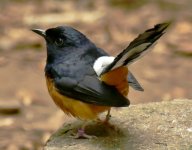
(81, 134)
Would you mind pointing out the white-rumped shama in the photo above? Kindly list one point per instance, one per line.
(83, 80)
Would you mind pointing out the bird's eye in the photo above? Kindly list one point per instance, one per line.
(59, 42)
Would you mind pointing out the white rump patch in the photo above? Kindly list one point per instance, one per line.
(101, 63)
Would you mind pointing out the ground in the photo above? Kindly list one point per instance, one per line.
(151, 126)
(165, 73)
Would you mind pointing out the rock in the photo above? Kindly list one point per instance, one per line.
(12, 147)
(6, 122)
(3, 61)
(9, 107)
(181, 41)
(67, 17)
(161, 125)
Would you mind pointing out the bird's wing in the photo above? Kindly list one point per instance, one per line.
(90, 90)
(133, 82)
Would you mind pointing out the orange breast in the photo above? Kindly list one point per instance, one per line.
(74, 107)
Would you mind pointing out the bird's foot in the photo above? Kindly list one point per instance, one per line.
(81, 134)
(107, 123)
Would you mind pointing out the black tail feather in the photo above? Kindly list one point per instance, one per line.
(138, 47)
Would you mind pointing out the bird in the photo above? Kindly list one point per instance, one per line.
(84, 80)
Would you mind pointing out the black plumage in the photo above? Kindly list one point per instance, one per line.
(70, 59)
(71, 68)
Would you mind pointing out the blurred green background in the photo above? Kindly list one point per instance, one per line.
(27, 113)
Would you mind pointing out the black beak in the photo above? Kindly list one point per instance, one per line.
(40, 32)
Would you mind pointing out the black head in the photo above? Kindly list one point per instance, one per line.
(62, 36)
(63, 40)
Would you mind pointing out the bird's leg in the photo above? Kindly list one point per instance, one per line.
(108, 116)
(106, 121)
(81, 133)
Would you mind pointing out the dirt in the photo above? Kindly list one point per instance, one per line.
(165, 73)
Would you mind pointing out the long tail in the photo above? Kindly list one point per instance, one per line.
(138, 47)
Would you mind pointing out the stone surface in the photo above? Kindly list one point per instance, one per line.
(9, 106)
(161, 126)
